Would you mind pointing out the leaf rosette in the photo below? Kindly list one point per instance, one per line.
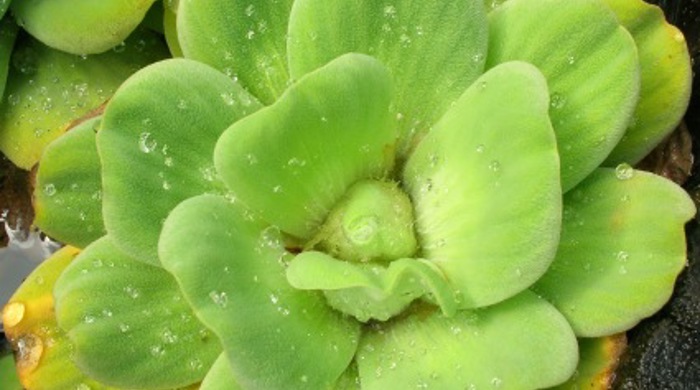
(359, 194)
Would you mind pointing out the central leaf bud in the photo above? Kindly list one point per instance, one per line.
(372, 222)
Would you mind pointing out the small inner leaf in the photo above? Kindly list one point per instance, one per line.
(371, 291)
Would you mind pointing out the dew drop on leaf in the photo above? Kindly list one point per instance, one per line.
(219, 298)
(624, 171)
(146, 143)
(50, 189)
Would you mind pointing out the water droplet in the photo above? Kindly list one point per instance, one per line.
(250, 34)
(228, 98)
(119, 48)
(624, 171)
(132, 292)
(88, 319)
(168, 161)
(50, 189)
(478, 57)
(496, 382)
(390, 11)
(83, 386)
(157, 351)
(168, 336)
(557, 101)
(219, 298)
(13, 314)
(571, 59)
(277, 189)
(195, 364)
(146, 143)
(482, 85)
(124, 328)
(252, 159)
(274, 299)
(182, 104)
(480, 148)
(495, 166)
(250, 10)
(623, 270)
(622, 256)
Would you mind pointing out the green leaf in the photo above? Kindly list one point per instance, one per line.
(4, 5)
(501, 178)
(612, 269)
(291, 162)
(129, 324)
(156, 145)
(598, 361)
(275, 336)
(29, 319)
(666, 79)
(245, 40)
(8, 372)
(68, 189)
(220, 376)
(433, 50)
(48, 89)
(80, 26)
(522, 343)
(370, 291)
(170, 32)
(8, 34)
(591, 66)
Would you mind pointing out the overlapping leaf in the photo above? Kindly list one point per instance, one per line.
(80, 26)
(275, 336)
(156, 145)
(48, 89)
(622, 247)
(128, 322)
(485, 185)
(291, 162)
(68, 199)
(592, 71)
(434, 51)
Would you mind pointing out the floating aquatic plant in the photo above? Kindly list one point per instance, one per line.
(360, 194)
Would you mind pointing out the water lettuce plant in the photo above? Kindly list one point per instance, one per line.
(364, 194)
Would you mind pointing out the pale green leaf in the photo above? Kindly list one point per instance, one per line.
(434, 50)
(68, 189)
(292, 161)
(157, 143)
(592, 71)
(128, 322)
(485, 186)
(522, 343)
(622, 247)
(275, 336)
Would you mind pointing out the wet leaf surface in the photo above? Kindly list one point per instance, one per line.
(664, 351)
